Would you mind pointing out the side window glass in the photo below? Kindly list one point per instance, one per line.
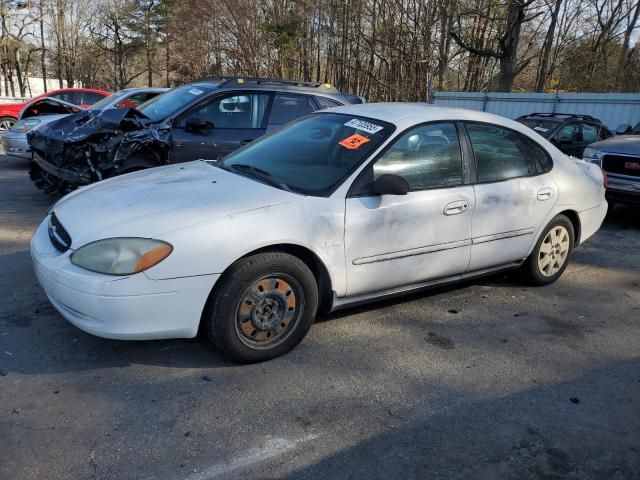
(569, 133)
(288, 107)
(67, 96)
(325, 102)
(89, 98)
(500, 153)
(589, 133)
(426, 157)
(540, 154)
(134, 100)
(244, 111)
(603, 134)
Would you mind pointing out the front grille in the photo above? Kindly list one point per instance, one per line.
(58, 235)
(621, 165)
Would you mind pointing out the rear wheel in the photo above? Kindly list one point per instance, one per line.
(550, 256)
(262, 307)
(6, 123)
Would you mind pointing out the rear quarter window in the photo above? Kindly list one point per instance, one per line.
(542, 157)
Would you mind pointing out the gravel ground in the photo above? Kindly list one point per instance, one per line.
(486, 380)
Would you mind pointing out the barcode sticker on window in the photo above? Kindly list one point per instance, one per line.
(364, 126)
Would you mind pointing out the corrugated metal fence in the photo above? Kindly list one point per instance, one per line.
(611, 108)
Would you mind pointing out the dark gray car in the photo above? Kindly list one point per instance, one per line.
(619, 157)
(204, 119)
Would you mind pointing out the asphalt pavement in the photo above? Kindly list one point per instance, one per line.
(491, 379)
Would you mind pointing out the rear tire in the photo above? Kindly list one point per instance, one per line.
(262, 307)
(6, 123)
(552, 251)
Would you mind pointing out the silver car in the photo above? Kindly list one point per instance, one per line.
(49, 109)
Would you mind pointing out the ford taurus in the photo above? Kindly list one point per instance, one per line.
(344, 206)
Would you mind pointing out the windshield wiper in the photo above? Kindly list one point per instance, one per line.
(260, 174)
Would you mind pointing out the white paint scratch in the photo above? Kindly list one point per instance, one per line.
(272, 447)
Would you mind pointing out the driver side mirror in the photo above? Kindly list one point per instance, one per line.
(623, 129)
(389, 184)
(195, 124)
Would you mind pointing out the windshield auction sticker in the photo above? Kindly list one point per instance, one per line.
(364, 126)
(196, 91)
(354, 142)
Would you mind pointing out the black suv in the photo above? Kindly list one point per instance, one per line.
(204, 119)
(571, 133)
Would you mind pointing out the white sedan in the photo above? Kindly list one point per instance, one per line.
(345, 206)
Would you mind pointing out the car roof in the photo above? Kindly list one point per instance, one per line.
(274, 84)
(559, 117)
(143, 89)
(404, 115)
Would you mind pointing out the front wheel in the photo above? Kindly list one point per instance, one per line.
(550, 256)
(262, 307)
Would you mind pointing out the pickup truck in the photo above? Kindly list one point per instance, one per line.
(619, 158)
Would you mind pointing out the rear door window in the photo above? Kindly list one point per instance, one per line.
(500, 153)
(287, 107)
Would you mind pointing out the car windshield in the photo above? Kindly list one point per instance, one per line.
(165, 104)
(312, 155)
(543, 127)
(106, 101)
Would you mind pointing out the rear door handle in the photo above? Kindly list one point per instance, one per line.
(455, 208)
(545, 194)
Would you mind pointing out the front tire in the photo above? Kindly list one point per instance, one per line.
(552, 251)
(263, 306)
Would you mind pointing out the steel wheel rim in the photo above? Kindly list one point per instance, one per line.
(269, 311)
(553, 251)
(6, 125)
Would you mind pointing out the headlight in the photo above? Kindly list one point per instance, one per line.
(121, 256)
(592, 155)
(25, 125)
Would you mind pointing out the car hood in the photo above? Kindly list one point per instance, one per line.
(44, 119)
(623, 144)
(151, 202)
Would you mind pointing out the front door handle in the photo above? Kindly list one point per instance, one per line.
(455, 208)
(545, 194)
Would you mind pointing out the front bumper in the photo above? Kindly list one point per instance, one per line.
(131, 307)
(15, 144)
(623, 189)
(74, 177)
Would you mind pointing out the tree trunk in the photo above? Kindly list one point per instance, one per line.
(546, 49)
(43, 50)
(509, 41)
(624, 54)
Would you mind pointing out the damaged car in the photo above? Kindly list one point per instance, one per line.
(48, 109)
(341, 207)
(35, 115)
(205, 119)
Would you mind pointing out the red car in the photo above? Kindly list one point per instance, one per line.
(84, 97)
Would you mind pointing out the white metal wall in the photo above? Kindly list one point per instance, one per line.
(611, 108)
